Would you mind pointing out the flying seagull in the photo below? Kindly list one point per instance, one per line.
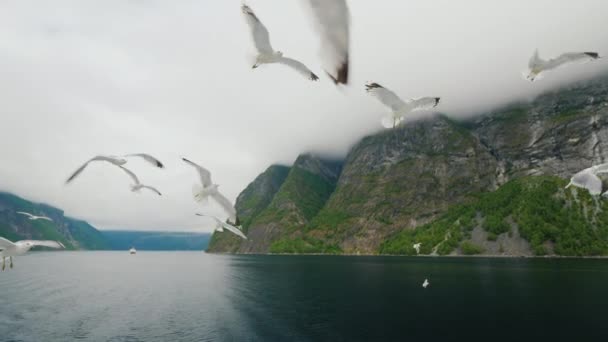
(9, 249)
(417, 247)
(426, 283)
(118, 161)
(220, 226)
(138, 185)
(589, 180)
(266, 54)
(538, 65)
(332, 19)
(147, 158)
(209, 189)
(34, 217)
(399, 107)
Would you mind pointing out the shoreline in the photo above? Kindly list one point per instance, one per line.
(479, 256)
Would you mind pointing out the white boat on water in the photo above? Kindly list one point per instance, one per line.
(132, 250)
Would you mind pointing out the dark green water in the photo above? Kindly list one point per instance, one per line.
(191, 296)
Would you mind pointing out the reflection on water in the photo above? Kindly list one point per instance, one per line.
(191, 296)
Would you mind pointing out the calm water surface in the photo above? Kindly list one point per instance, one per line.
(192, 296)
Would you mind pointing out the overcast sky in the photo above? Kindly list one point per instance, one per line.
(174, 78)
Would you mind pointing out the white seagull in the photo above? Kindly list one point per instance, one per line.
(538, 65)
(34, 217)
(266, 54)
(332, 19)
(399, 107)
(417, 247)
(589, 180)
(9, 249)
(118, 161)
(426, 283)
(221, 225)
(138, 185)
(209, 189)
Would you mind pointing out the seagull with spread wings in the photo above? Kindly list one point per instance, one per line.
(10, 249)
(221, 225)
(114, 160)
(137, 186)
(34, 217)
(398, 107)
(266, 54)
(538, 65)
(208, 189)
(589, 180)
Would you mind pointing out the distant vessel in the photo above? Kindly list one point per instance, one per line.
(132, 250)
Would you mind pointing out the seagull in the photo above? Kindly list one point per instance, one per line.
(426, 283)
(9, 249)
(332, 19)
(220, 226)
(537, 65)
(138, 185)
(399, 107)
(34, 217)
(118, 161)
(417, 247)
(147, 158)
(209, 189)
(266, 54)
(589, 180)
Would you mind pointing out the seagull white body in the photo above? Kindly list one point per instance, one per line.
(137, 186)
(220, 226)
(399, 108)
(425, 283)
(589, 180)
(34, 217)
(209, 190)
(332, 21)
(266, 54)
(538, 65)
(10, 249)
(416, 246)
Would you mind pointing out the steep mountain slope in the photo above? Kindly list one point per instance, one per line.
(74, 234)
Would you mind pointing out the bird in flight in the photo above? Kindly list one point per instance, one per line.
(416, 246)
(137, 186)
(332, 21)
(10, 249)
(221, 225)
(114, 160)
(266, 54)
(207, 189)
(399, 108)
(34, 217)
(589, 180)
(537, 65)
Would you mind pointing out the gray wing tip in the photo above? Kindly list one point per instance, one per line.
(437, 99)
(313, 77)
(159, 164)
(342, 75)
(372, 85)
(593, 55)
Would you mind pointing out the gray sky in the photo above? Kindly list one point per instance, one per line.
(174, 78)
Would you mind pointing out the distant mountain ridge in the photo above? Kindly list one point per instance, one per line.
(122, 240)
(462, 187)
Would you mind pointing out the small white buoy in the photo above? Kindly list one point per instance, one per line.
(426, 283)
(132, 250)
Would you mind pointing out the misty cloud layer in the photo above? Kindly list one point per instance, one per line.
(80, 78)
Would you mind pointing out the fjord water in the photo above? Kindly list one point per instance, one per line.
(192, 296)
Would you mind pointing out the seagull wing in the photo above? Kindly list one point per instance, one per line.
(602, 168)
(225, 204)
(131, 174)
(152, 189)
(78, 171)
(332, 19)
(586, 179)
(45, 243)
(299, 67)
(260, 35)
(423, 103)
(387, 97)
(4, 243)
(26, 214)
(570, 57)
(44, 218)
(233, 229)
(203, 173)
(147, 158)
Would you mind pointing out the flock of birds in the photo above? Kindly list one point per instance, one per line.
(332, 18)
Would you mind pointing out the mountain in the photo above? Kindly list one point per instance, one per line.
(122, 240)
(488, 185)
(74, 234)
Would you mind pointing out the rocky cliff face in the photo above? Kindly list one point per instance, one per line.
(74, 234)
(398, 181)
